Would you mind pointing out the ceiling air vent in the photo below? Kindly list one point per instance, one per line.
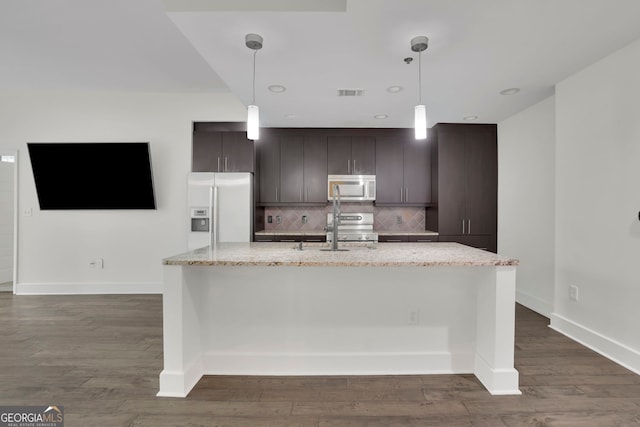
(350, 92)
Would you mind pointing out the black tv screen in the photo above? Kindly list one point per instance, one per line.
(92, 175)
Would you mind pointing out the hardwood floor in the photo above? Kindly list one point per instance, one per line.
(100, 356)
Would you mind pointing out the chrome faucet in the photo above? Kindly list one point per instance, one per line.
(336, 216)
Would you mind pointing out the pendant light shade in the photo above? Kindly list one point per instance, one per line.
(418, 44)
(253, 42)
(253, 122)
(420, 121)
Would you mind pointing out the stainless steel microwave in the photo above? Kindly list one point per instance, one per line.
(353, 188)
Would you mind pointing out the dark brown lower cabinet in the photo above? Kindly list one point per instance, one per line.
(400, 238)
(290, 238)
(393, 239)
(423, 239)
(486, 242)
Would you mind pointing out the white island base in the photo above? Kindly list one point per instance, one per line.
(351, 313)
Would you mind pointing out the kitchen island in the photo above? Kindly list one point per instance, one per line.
(386, 309)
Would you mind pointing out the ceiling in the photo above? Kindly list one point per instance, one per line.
(477, 48)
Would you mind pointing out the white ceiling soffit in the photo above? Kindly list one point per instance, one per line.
(476, 49)
(97, 45)
(255, 5)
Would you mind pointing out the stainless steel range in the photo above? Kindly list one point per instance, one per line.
(353, 227)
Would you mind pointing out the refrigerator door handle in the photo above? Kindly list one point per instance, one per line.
(213, 206)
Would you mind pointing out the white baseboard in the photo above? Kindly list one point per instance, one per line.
(180, 383)
(238, 363)
(536, 304)
(611, 349)
(87, 288)
(497, 381)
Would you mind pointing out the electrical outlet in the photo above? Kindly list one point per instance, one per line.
(398, 219)
(304, 219)
(278, 219)
(573, 293)
(269, 219)
(96, 263)
(413, 316)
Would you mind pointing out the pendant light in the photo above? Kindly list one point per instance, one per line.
(418, 44)
(253, 42)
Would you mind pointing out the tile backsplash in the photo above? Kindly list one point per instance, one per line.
(384, 218)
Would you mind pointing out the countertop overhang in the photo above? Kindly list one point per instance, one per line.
(312, 255)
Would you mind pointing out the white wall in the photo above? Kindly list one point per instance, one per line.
(6, 220)
(597, 204)
(526, 195)
(55, 247)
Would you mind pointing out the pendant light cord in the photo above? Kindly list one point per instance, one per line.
(420, 78)
(254, 77)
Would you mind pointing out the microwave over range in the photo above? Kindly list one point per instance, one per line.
(353, 188)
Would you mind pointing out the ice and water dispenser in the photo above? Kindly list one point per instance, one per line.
(200, 219)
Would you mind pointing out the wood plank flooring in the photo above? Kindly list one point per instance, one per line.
(100, 357)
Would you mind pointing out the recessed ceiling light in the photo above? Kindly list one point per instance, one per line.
(394, 89)
(470, 118)
(277, 88)
(510, 91)
(380, 116)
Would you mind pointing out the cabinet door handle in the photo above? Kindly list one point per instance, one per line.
(306, 194)
(401, 193)
(393, 240)
(300, 193)
(469, 227)
(218, 164)
(276, 194)
(463, 226)
(406, 194)
(354, 166)
(348, 166)
(226, 169)
(423, 240)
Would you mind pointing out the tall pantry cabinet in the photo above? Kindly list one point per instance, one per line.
(465, 184)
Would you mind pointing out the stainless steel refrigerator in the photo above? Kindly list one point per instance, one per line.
(220, 208)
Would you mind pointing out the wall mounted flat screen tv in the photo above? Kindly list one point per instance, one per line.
(92, 175)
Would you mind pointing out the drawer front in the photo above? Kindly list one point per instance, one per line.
(393, 239)
(423, 239)
(289, 238)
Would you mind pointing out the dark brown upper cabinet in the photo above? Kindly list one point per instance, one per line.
(268, 158)
(351, 155)
(293, 169)
(467, 184)
(403, 170)
(221, 151)
(315, 169)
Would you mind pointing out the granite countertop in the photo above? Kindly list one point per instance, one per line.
(322, 233)
(312, 255)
